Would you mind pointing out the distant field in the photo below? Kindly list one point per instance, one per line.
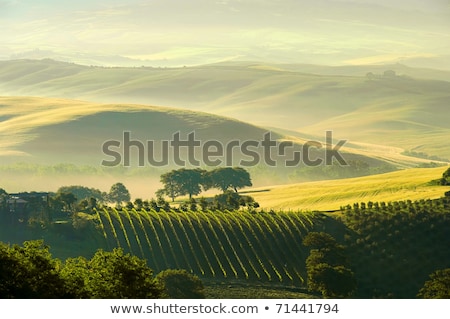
(330, 195)
(408, 107)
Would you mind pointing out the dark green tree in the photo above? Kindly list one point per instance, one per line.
(331, 281)
(319, 240)
(182, 182)
(76, 274)
(117, 276)
(179, 284)
(67, 200)
(327, 267)
(82, 192)
(437, 287)
(225, 178)
(138, 203)
(110, 275)
(233, 201)
(29, 271)
(445, 180)
(191, 181)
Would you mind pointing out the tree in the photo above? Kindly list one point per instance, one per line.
(227, 200)
(111, 275)
(331, 281)
(82, 192)
(228, 177)
(190, 181)
(437, 287)
(319, 240)
(389, 73)
(119, 193)
(75, 273)
(4, 207)
(67, 199)
(370, 76)
(30, 272)
(445, 180)
(327, 267)
(179, 284)
(87, 205)
(138, 203)
(182, 182)
(203, 203)
(170, 181)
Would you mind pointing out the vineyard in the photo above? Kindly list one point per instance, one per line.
(260, 247)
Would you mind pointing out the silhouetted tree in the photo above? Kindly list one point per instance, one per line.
(182, 182)
(228, 177)
(119, 193)
(171, 185)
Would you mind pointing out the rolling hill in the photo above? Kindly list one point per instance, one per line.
(47, 143)
(360, 103)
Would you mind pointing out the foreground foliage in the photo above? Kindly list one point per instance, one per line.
(391, 248)
(31, 272)
(438, 286)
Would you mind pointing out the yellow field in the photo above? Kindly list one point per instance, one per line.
(331, 194)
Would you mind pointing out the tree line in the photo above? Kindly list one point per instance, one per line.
(68, 200)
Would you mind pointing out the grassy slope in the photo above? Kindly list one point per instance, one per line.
(50, 124)
(330, 195)
(408, 110)
(49, 131)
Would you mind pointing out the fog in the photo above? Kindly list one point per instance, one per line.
(175, 33)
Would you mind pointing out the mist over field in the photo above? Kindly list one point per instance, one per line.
(177, 33)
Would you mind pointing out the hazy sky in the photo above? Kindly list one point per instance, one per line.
(176, 32)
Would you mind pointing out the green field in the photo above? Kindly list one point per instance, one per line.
(406, 184)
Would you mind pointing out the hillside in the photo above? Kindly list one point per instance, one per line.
(406, 184)
(46, 143)
(406, 106)
(58, 130)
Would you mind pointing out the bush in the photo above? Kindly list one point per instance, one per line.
(179, 284)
